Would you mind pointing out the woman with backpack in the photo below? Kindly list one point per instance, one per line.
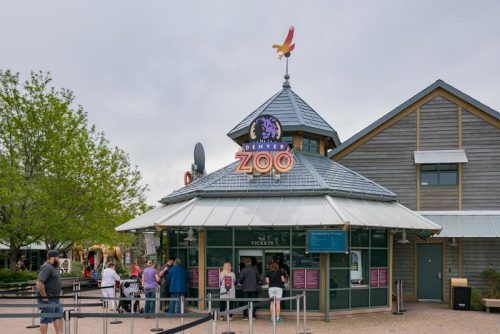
(275, 280)
(227, 280)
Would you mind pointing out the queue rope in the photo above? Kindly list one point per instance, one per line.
(188, 325)
(53, 305)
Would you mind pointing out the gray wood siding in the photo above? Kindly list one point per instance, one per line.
(479, 254)
(438, 198)
(387, 159)
(403, 265)
(439, 125)
(481, 175)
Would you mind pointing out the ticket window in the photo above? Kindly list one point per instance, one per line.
(255, 256)
(282, 257)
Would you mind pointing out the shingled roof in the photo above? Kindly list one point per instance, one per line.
(294, 114)
(310, 175)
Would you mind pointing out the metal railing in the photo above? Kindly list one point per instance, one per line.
(210, 317)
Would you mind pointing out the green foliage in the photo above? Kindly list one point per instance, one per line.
(492, 281)
(7, 276)
(60, 180)
(77, 268)
(475, 302)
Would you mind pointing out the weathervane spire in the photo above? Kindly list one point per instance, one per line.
(284, 50)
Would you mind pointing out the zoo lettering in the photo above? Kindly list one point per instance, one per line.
(264, 162)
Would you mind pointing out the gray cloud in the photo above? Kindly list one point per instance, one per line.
(158, 76)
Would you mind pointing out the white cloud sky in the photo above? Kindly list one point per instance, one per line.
(158, 76)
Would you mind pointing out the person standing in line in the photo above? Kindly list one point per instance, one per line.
(150, 281)
(165, 284)
(178, 278)
(48, 284)
(249, 279)
(109, 279)
(275, 279)
(227, 281)
(135, 270)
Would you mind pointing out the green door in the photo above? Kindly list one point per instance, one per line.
(430, 276)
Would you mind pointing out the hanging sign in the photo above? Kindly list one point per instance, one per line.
(326, 241)
(264, 153)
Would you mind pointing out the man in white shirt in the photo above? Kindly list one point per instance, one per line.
(109, 279)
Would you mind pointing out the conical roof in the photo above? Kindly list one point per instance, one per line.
(294, 114)
(310, 175)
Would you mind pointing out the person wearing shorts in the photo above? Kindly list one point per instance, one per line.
(275, 280)
(49, 287)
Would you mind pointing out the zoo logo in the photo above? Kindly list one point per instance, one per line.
(265, 128)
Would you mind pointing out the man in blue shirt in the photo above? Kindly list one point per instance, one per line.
(177, 276)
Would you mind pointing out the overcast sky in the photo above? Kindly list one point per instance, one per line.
(159, 76)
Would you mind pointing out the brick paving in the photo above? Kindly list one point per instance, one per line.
(420, 318)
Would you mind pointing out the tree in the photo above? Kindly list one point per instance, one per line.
(60, 180)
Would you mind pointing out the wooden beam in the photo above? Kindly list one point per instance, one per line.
(201, 268)
(418, 129)
(417, 168)
(460, 273)
(324, 287)
(460, 197)
(391, 252)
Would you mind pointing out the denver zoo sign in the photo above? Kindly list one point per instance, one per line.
(265, 153)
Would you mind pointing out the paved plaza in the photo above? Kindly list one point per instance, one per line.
(420, 318)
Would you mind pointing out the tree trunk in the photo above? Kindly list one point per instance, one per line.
(13, 251)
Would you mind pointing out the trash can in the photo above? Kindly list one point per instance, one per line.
(455, 281)
(461, 300)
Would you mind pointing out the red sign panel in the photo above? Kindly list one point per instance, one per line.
(213, 277)
(194, 277)
(305, 278)
(374, 277)
(299, 278)
(382, 277)
(378, 277)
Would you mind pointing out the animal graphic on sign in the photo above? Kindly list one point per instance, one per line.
(265, 128)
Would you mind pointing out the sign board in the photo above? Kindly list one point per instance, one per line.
(378, 277)
(305, 278)
(326, 241)
(213, 277)
(194, 277)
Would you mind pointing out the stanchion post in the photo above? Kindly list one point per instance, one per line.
(131, 322)
(67, 321)
(182, 311)
(228, 322)
(214, 322)
(273, 314)
(250, 319)
(157, 310)
(75, 301)
(209, 296)
(33, 296)
(401, 294)
(305, 313)
(116, 302)
(297, 301)
(105, 318)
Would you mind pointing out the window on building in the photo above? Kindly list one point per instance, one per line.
(439, 175)
(310, 145)
(289, 140)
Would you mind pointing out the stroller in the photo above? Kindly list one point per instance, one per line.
(129, 289)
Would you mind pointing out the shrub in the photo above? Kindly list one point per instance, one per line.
(492, 283)
(475, 300)
(6, 276)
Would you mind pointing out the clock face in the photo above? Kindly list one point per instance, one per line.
(265, 128)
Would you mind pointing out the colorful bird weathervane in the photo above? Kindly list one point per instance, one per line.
(284, 50)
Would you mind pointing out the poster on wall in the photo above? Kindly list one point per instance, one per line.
(382, 277)
(312, 279)
(305, 279)
(299, 279)
(213, 277)
(378, 277)
(193, 277)
(374, 277)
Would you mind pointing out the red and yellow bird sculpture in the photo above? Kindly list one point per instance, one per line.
(286, 47)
